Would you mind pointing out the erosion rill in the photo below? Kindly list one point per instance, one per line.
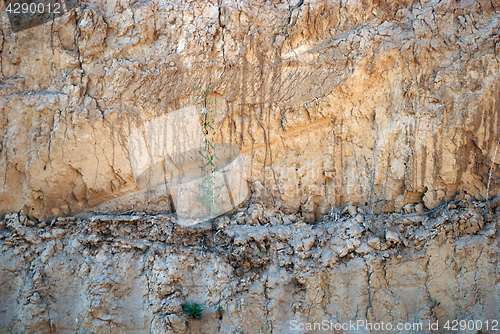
(250, 167)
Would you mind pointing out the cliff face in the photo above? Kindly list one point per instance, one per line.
(260, 270)
(380, 104)
(331, 130)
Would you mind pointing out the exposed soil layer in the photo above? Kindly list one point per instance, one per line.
(257, 270)
(331, 102)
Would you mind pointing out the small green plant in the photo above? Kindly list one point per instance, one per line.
(209, 165)
(11, 331)
(193, 310)
(220, 312)
(264, 327)
(247, 305)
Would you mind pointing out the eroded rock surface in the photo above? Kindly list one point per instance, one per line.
(341, 110)
(334, 102)
(264, 267)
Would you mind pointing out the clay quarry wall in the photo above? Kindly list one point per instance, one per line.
(362, 140)
(330, 102)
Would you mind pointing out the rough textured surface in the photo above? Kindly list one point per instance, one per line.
(358, 121)
(334, 102)
(265, 267)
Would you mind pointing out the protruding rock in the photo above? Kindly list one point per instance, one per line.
(363, 249)
(391, 237)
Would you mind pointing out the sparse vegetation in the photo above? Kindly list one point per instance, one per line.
(11, 331)
(208, 166)
(265, 327)
(193, 310)
(246, 305)
(220, 312)
(489, 173)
